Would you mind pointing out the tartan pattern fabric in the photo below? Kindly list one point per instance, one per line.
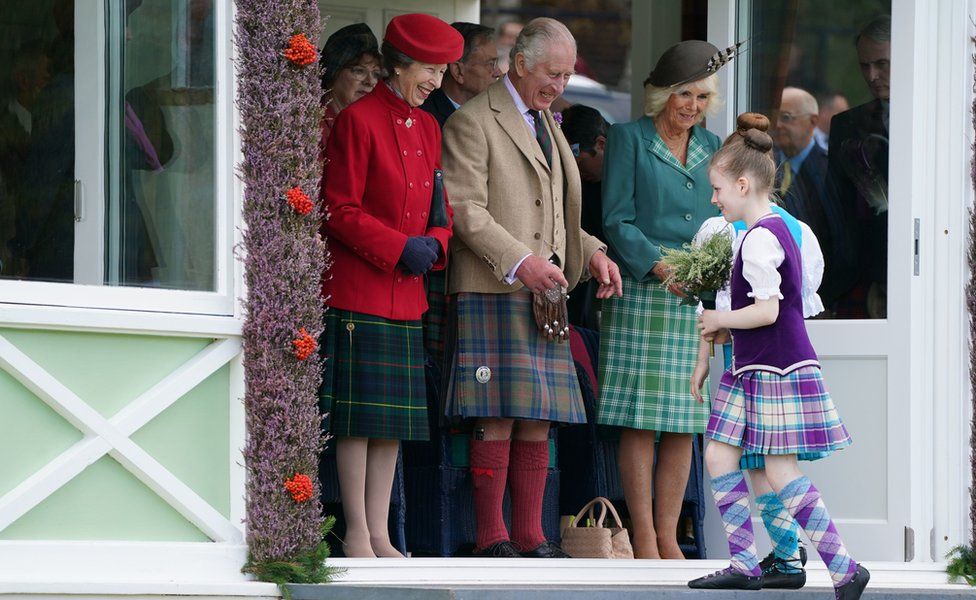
(753, 462)
(542, 135)
(782, 529)
(697, 154)
(767, 413)
(732, 499)
(435, 319)
(648, 348)
(803, 501)
(373, 381)
(525, 377)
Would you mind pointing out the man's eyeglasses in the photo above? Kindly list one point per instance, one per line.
(786, 117)
(361, 73)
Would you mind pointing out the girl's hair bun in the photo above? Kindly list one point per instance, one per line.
(758, 140)
(751, 120)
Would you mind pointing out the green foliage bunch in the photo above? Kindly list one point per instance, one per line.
(306, 567)
(699, 270)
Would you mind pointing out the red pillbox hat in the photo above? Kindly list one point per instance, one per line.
(425, 38)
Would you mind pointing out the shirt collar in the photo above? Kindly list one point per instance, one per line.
(797, 161)
(519, 103)
(456, 105)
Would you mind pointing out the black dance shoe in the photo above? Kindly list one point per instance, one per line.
(503, 549)
(546, 549)
(853, 589)
(781, 574)
(727, 579)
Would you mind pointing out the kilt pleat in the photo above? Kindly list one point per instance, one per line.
(435, 319)
(373, 382)
(767, 413)
(648, 349)
(502, 366)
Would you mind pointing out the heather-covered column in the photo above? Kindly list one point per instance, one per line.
(283, 257)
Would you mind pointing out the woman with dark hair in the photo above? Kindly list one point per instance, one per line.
(351, 69)
(388, 226)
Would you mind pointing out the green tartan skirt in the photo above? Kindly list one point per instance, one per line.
(648, 348)
(373, 382)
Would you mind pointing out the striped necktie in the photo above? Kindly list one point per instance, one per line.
(542, 135)
(784, 185)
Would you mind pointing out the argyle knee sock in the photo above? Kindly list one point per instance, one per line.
(732, 499)
(489, 472)
(782, 529)
(807, 507)
(527, 485)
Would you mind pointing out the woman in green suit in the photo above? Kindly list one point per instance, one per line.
(656, 193)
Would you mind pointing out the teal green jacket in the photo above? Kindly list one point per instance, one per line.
(649, 198)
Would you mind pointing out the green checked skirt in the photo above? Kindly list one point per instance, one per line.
(648, 347)
(373, 382)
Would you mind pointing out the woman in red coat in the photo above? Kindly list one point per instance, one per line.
(382, 171)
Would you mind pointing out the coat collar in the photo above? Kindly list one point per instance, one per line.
(388, 97)
(511, 120)
(698, 152)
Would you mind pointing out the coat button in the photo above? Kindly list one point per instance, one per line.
(687, 217)
(689, 185)
(538, 202)
(423, 215)
(399, 279)
(420, 152)
(410, 185)
(408, 214)
(426, 184)
(399, 121)
(538, 236)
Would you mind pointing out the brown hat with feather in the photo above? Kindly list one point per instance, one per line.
(688, 61)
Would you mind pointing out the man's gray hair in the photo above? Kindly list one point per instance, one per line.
(878, 29)
(536, 37)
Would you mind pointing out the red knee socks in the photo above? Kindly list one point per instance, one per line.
(527, 481)
(489, 471)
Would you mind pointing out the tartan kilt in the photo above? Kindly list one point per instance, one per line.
(435, 319)
(373, 381)
(522, 376)
(648, 349)
(767, 413)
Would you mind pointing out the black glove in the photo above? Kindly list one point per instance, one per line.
(417, 257)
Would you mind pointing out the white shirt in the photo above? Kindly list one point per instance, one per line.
(761, 258)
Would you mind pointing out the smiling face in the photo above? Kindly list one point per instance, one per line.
(728, 195)
(546, 80)
(417, 81)
(356, 80)
(686, 107)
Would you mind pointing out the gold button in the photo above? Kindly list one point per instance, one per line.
(350, 326)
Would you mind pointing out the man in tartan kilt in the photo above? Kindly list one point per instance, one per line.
(515, 189)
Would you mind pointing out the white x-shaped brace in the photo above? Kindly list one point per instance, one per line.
(112, 436)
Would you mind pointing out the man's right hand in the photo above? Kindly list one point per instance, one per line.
(539, 275)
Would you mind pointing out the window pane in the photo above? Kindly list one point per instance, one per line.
(107, 142)
(821, 70)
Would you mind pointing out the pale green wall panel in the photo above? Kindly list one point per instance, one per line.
(31, 434)
(105, 502)
(192, 439)
(105, 370)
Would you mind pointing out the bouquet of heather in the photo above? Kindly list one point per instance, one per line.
(700, 270)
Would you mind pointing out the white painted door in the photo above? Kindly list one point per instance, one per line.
(377, 13)
(866, 362)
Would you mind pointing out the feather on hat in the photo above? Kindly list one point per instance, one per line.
(690, 60)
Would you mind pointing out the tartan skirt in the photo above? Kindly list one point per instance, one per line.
(373, 381)
(435, 319)
(766, 413)
(503, 367)
(648, 349)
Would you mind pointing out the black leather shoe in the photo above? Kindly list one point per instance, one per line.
(546, 549)
(775, 578)
(727, 579)
(771, 559)
(853, 589)
(503, 549)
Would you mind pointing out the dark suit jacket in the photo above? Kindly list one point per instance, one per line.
(806, 199)
(857, 184)
(438, 105)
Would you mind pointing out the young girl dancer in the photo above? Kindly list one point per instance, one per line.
(772, 401)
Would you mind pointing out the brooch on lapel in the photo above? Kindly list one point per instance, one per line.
(409, 123)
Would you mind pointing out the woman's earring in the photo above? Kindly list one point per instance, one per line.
(397, 72)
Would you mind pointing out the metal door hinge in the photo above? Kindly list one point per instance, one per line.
(917, 244)
(909, 542)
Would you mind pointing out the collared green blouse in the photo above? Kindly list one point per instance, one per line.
(649, 198)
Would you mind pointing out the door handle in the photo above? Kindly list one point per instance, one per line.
(79, 201)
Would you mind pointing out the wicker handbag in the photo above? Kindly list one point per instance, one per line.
(597, 541)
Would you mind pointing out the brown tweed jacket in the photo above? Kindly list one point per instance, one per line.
(504, 193)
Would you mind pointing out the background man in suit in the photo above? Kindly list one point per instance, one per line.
(802, 164)
(830, 103)
(468, 77)
(515, 189)
(857, 177)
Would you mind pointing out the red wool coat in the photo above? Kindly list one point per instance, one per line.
(377, 185)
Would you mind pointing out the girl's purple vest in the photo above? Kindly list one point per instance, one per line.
(783, 346)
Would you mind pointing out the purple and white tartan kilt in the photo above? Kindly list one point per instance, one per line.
(768, 413)
(503, 367)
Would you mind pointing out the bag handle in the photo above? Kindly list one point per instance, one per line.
(613, 511)
(588, 507)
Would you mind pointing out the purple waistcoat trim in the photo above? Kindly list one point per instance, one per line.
(783, 346)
